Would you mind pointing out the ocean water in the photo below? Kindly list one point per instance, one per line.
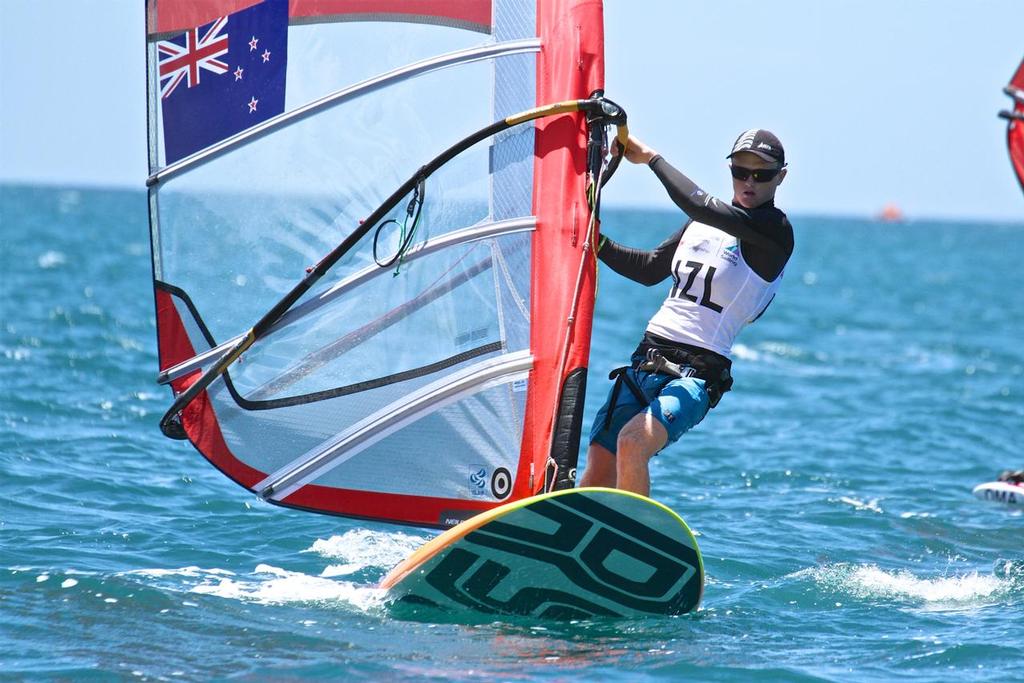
(831, 490)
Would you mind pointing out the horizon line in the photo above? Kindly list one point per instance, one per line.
(611, 205)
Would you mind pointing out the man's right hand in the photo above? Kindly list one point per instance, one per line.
(636, 151)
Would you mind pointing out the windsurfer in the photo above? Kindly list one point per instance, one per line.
(726, 263)
(1012, 476)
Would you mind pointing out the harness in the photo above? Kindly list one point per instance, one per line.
(715, 373)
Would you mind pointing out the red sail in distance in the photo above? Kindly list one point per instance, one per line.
(1015, 123)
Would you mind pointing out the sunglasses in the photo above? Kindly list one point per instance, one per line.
(761, 175)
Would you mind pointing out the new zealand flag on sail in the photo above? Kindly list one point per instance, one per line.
(223, 77)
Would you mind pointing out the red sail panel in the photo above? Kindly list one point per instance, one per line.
(198, 418)
(572, 32)
(1015, 143)
(171, 16)
(1015, 125)
(1017, 82)
(473, 15)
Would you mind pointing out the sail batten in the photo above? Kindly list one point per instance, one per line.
(372, 271)
(198, 362)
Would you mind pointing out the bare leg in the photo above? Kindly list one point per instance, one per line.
(642, 437)
(600, 469)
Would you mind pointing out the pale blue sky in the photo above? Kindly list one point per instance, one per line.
(876, 101)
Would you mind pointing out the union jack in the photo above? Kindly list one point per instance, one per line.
(185, 61)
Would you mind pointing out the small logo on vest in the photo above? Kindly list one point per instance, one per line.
(731, 254)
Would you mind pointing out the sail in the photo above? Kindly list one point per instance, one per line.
(1015, 123)
(373, 276)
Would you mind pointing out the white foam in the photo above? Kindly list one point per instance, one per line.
(871, 581)
(188, 572)
(871, 505)
(51, 259)
(274, 586)
(18, 354)
(744, 352)
(361, 548)
(332, 570)
(354, 551)
(782, 349)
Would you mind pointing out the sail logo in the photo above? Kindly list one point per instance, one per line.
(497, 484)
(501, 483)
(477, 481)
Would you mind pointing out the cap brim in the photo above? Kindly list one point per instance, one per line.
(766, 157)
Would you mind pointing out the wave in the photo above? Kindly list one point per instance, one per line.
(365, 556)
(269, 585)
(362, 549)
(871, 582)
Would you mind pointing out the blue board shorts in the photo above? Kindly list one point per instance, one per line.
(679, 404)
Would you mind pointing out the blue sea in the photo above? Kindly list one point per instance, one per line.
(830, 491)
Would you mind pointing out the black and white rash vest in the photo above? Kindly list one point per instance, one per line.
(714, 294)
(726, 264)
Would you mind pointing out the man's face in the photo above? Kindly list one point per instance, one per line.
(750, 193)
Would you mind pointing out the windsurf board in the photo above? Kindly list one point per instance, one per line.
(572, 554)
(1001, 492)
